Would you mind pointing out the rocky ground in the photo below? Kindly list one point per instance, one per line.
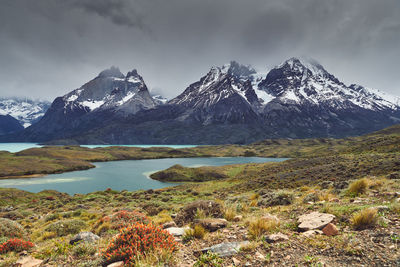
(308, 226)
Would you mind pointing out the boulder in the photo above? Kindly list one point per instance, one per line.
(116, 264)
(212, 224)
(88, 237)
(276, 238)
(188, 213)
(314, 220)
(28, 261)
(226, 249)
(168, 225)
(177, 231)
(330, 230)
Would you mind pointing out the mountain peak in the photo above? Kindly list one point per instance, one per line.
(111, 72)
(238, 70)
(302, 63)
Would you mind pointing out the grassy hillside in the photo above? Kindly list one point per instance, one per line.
(356, 179)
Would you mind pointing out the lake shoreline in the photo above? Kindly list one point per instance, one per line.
(124, 174)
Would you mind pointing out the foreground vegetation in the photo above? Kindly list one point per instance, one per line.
(357, 180)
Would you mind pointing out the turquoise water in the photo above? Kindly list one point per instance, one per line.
(119, 175)
(16, 147)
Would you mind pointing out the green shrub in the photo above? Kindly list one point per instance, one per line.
(118, 220)
(10, 229)
(66, 227)
(198, 232)
(209, 259)
(83, 249)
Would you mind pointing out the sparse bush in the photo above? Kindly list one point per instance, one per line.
(118, 220)
(66, 227)
(366, 218)
(260, 226)
(16, 245)
(358, 187)
(138, 241)
(208, 259)
(51, 217)
(9, 228)
(83, 249)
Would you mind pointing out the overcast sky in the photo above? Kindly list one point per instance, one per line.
(50, 47)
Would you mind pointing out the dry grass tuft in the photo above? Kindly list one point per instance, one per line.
(366, 218)
(260, 226)
(229, 213)
(198, 232)
(358, 187)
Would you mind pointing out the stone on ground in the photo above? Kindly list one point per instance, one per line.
(226, 249)
(330, 230)
(28, 261)
(116, 264)
(314, 220)
(177, 231)
(276, 238)
(88, 237)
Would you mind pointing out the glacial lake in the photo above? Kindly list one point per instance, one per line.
(120, 175)
(16, 147)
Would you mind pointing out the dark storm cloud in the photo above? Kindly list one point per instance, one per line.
(121, 12)
(49, 47)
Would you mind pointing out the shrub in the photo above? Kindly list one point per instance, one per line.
(16, 245)
(66, 227)
(208, 259)
(358, 187)
(138, 241)
(260, 226)
(366, 218)
(9, 228)
(197, 232)
(119, 220)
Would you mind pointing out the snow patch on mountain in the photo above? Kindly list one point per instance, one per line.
(26, 111)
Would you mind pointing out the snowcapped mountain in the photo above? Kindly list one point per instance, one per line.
(26, 111)
(223, 94)
(298, 81)
(109, 96)
(230, 104)
(111, 90)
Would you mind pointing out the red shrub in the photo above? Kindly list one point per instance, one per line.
(138, 240)
(16, 245)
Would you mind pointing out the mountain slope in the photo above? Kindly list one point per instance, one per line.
(26, 111)
(223, 95)
(308, 101)
(9, 125)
